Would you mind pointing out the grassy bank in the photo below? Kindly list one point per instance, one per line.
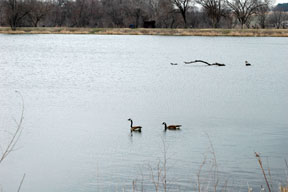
(141, 31)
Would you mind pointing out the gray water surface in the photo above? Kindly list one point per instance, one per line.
(79, 91)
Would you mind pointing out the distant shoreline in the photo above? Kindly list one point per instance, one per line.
(145, 31)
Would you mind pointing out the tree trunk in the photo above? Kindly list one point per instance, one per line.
(183, 13)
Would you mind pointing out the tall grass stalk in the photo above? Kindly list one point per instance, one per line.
(214, 166)
(16, 135)
(22, 180)
(199, 174)
(263, 171)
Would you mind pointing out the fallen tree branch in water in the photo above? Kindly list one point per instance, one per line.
(205, 62)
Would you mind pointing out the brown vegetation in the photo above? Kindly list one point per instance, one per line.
(284, 189)
(142, 31)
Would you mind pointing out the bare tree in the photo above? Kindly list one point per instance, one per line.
(166, 15)
(79, 16)
(16, 11)
(78, 13)
(153, 8)
(59, 14)
(182, 6)
(136, 11)
(114, 13)
(262, 16)
(215, 9)
(94, 12)
(38, 11)
(244, 9)
(1, 12)
(122, 13)
(277, 17)
(141, 10)
(263, 13)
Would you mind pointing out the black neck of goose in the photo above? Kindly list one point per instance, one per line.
(165, 126)
(131, 123)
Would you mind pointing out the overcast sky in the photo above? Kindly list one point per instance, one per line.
(281, 1)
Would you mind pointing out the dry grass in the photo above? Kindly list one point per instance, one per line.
(209, 181)
(284, 189)
(263, 171)
(6, 150)
(269, 183)
(208, 178)
(142, 31)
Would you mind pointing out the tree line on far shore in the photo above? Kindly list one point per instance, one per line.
(143, 13)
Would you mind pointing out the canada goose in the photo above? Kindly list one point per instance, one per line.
(171, 127)
(247, 64)
(134, 128)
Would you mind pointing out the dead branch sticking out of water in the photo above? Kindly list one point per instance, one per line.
(205, 62)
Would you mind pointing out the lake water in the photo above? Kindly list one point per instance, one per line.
(79, 91)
